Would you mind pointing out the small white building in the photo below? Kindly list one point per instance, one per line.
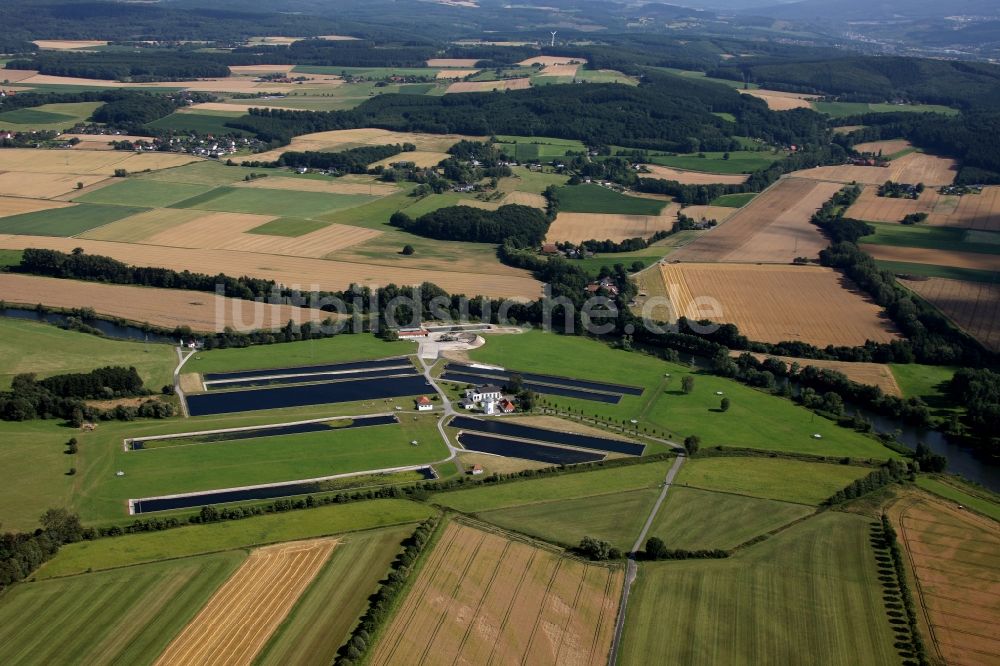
(424, 404)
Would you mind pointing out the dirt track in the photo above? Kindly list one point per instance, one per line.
(241, 616)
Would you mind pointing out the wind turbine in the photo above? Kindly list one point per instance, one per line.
(554, 37)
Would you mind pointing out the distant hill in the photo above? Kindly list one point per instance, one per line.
(877, 10)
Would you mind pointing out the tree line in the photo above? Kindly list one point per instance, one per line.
(523, 225)
(353, 160)
(136, 66)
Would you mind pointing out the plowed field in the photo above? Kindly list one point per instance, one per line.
(974, 306)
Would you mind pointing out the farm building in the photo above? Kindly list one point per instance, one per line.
(484, 393)
(476, 470)
(424, 404)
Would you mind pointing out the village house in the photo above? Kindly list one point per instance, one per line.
(424, 404)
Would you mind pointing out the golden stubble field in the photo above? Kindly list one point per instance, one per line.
(980, 212)
(240, 617)
(354, 138)
(487, 86)
(773, 228)
(93, 162)
(579, 227)
(302, 272)
(913, 168)
(872, 374)
(167, 308)
(552, 60)
(483, 598)
(920, 255)
(17, 206)
(973, 306)
(769, 303)
(781, 101)
(954, 557)
(695, 177)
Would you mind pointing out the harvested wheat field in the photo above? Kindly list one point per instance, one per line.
(552, 60)
(980, 212)
(307, 273)
(83, 162)
(344, 139)
(137, 228)
(886, 148)
(769, 303)
(560, 70)
(100, 141)
(525, 199)
(455, 73)
(161, 307)
(17, 205)
(452, 62)
(695, 177)
(488, 86)
(237, 107)
(718, 213)
(954, 555)
(973, 306)
(17, 75)
(483, 598)
(919, 255)
(68, 44)
(913, 168)
(49, 79)
(43, 185)
(781, 101)
(872, 374)
(208, 230)
(421, 158)
(338, 186)
(260, 70)
(317, 244)
(774, 227)
(579, 227)
(241, 616)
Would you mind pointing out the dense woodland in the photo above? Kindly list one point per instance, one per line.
(137, 65)
(523, 226)
(353, 160)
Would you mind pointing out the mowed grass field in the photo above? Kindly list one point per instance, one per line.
(329, 520)
(842, 109)
(935, 238)
(695, 519)
(739, 161)
(124, 616)
(950, 488)
(811, 594)
(68, 221)
(782, 479)
(609, 504)
(597, 199)
(231, 464)
(338, 349)
(202, 123)
(272, 202)
(326, 614)
(755, 419)
(734, 200)
(527, 148)
(48, 116)
(28, 346)
(144, 193)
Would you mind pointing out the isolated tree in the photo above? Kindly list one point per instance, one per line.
(408, 250)
(79, 185)
(724, 405)
(515, 384)
(655, 548)
(691, 444)
(687, 383)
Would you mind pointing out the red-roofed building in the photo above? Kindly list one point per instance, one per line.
(424, 404)
(506, 406)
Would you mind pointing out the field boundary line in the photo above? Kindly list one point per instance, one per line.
(730, 492)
